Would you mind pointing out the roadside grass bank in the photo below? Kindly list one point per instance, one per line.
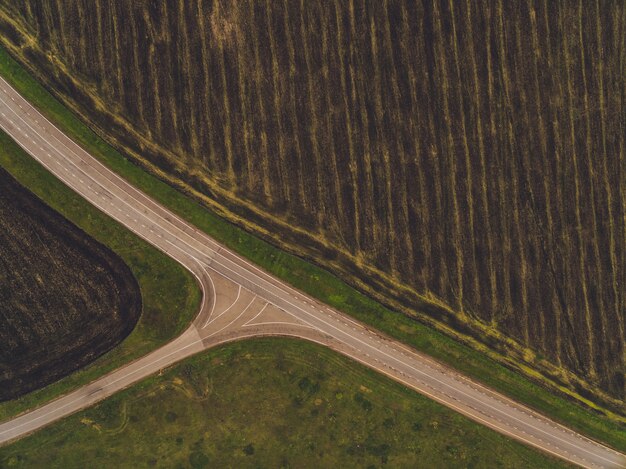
(269, 403)
(170, 294)
(319, 283)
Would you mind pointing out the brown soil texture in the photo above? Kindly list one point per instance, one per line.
(65, 299)
(463, 160)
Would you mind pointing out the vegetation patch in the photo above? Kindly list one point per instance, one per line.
(461, 163)
(537, 393)
(65, 299)
(81, 310)
(269, 403)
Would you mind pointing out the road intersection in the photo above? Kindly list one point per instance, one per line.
(240, 300)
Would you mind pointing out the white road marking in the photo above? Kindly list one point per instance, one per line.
(226, 310)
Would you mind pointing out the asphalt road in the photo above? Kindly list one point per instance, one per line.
(240, 300)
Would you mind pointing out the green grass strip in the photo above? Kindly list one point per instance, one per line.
(316, 281)
(270, 403)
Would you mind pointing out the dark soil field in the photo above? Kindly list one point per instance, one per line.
(461, 162)
(64, 298)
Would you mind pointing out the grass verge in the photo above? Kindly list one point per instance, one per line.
(170, 294)
(270, 403)
(318, 282)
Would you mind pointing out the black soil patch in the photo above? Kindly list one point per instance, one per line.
(65, 299)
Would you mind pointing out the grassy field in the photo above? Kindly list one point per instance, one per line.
(459, 163)
(170, 294)
(269, 403)
(65, 299)
(329, 288)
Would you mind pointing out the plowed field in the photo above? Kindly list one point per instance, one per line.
(462, 162)
(64, 298)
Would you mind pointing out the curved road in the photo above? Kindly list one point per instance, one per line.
(240, 300)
